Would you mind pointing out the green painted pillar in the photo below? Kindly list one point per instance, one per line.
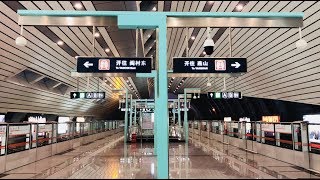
(135, 113)
(174, 116)
(130, 112)
(162, 104)
(126, 119)
(179, 112)
(185, 122)
(155, 138)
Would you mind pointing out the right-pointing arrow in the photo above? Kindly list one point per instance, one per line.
(236, 65)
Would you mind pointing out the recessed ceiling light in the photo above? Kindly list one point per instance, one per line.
(96, 34)
(154, 9)
(149, 35)
(204, 53)
(210, 2)
(60, 43)
(193, 38)
(107, 50)
(78, 6)
(127, 81)
(239, 7)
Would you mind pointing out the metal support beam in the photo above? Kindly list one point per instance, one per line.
(173, 19)
(177, 22)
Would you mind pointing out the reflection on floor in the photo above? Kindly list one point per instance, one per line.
(194, 160)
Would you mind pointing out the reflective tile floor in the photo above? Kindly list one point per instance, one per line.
(193, 161)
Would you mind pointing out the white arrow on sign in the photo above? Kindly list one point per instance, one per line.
(87, 64)
(236, 65)
(211, 94)
(74, 95)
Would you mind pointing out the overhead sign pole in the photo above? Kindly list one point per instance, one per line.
(160, 20)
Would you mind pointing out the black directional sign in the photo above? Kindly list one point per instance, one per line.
(87, 95)
(224, 95)
(209, 65)
(113, 65)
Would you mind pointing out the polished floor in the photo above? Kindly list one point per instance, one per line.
(102, 159)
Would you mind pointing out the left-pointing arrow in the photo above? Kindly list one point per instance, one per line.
(87, 64)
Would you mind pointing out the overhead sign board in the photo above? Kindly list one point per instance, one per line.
(224, 95)
(273, 119)
(113, 65)
(87, 95)
(209, 65)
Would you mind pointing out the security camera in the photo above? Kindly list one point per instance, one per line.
(21, 41)
(208, 46)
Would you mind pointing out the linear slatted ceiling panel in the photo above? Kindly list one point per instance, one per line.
(223, 42)
(284, 34)
(105, 35)
(223, 6)
(39, 55)
(277, 70)
(75, 36)
(197, 46)
(195, 6)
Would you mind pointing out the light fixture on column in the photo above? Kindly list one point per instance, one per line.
(21, 41)
(194, 96)
(301, 43)
(198, 95)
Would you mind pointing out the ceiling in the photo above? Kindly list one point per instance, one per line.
(276, 69)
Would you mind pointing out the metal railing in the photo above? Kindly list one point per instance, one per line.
(16, 137)
(285, 134)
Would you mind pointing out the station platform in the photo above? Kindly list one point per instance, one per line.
(111, 158)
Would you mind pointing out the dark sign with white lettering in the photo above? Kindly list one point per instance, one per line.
(209, 65)
(113, 65)
(224, 95)
(87, 95)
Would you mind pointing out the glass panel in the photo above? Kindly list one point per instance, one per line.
(268, 134)
(77, 132)
(64, 132)
(3, 133)
(297, 137)
(44, 134)
(19, 137)
(284, 135)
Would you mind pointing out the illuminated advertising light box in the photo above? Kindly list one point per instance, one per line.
(314, 128)
(227, 119)
(2, 117)
(273, 119)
